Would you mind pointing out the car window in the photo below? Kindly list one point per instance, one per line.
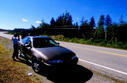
(52, 42)
(44, 42)
(24, 40)
(27, 41)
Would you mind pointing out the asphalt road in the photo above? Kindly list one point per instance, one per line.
(2, 34)
(108, 60)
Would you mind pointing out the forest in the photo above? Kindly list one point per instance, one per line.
(63, 28)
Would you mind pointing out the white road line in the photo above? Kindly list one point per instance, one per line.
(121, 72)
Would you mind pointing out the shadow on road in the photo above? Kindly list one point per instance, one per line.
(73, 74)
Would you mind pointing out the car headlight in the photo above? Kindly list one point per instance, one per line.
(55, 61)
(73, 57)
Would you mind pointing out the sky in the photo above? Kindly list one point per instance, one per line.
(24, 13)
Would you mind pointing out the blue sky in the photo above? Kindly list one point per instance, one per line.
(24, 13)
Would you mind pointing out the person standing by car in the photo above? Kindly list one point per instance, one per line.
(15, 40)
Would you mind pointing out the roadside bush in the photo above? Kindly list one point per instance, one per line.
(74, 40)
(82, 41)
(91, 41)
(59, 36)
(124, 46)
(108, 45)
(102, 43)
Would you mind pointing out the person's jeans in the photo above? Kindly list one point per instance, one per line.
(15, 52)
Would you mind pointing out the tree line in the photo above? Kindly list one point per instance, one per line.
(105, 29)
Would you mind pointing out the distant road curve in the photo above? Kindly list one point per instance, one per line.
(2, 34)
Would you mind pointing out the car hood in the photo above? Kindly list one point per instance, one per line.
(56, 52)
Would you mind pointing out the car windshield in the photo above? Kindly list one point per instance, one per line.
(44, 42)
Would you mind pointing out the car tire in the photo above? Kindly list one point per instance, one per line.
(20, 54)
(36, 66)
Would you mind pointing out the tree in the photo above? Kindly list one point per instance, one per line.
(52, 22)
(108, 21)
(75, 25)
(101, 21)
(121, 20)
(59, 21)
(33, 27)
(85, 24)
(92, 22)
(65, 19)
(122, 32)
(92, 25)
(44, 25)
(100, 28)
(86, 29)
(100, 32)
(82, 20)
(69, 20)
(32, 30)
(112, 32)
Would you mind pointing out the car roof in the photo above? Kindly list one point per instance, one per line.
(39, 36)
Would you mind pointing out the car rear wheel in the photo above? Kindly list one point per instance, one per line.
(20, 54)
(36, 66)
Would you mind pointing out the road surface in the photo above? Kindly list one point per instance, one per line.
(107, 60)
(112, 61)
(2, 34)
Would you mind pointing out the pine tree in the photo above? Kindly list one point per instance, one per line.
(92, 23)
(65, 19)
(101, 21)
(82, 20)
(43, 25)
(59, 21)
(121, 20)
(76, 24)
(52, 22)
(85, 24)
(33, 27)
(69, 21)
(100, 29)
(108, 21)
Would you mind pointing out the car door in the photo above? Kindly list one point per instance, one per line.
(27, 48)
(23, 47)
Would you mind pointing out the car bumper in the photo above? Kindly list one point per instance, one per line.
(61, 65)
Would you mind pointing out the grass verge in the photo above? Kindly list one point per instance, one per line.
(12, 71)
(104, 43)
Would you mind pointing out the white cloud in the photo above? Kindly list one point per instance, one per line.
(38, 22)
(24, 20)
